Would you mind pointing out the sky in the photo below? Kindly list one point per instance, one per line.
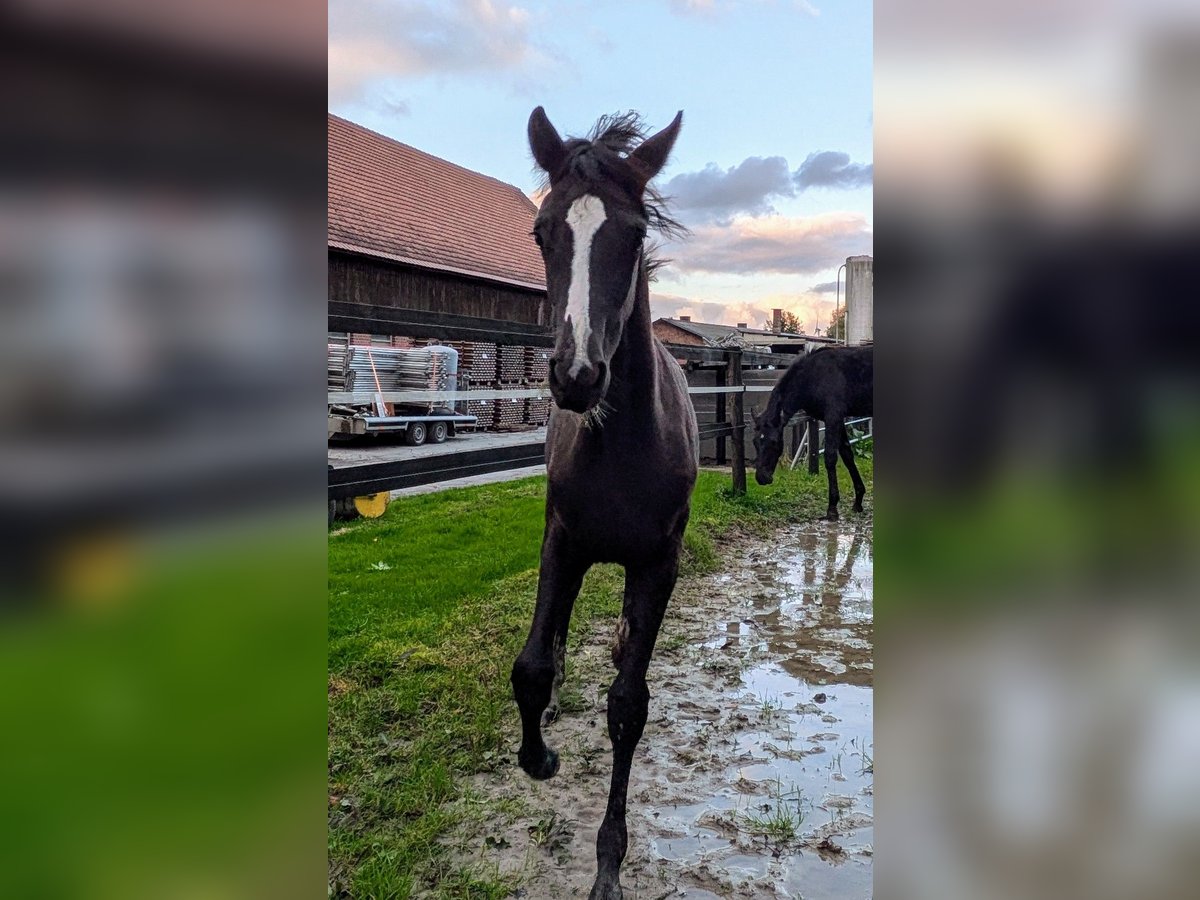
(772, 172)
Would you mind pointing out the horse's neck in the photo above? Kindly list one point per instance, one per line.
(791, 395)
(635, 362)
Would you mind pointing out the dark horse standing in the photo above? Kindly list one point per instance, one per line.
(621, 448)
(828, 384)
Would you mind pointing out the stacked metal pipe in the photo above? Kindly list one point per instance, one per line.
(510, 412)
(477, 360)
(338, 358)
(537, 366)
(433, 368)
(511, 365)
(537, 411)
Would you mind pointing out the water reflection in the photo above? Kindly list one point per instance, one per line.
(800, 713)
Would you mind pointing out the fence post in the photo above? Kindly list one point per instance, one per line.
(721, 459)
(814, 438)
(734, 379)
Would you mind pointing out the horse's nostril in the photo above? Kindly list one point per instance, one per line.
(579, 375)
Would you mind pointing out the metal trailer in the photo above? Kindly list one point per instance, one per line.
(417, 426)
(386, 369)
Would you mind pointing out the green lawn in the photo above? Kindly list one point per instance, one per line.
(428, 606)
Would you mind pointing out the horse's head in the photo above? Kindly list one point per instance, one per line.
(768, 444)
(590, 229)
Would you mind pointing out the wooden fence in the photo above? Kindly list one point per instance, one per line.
(723, 383)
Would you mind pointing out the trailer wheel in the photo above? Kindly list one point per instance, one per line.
(437, 433)
(414, 434)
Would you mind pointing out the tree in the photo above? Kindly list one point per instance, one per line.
(788, 321)
(837, 324)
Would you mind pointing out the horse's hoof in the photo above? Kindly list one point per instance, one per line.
(858, 507)
(830, 516)
(606, 890)
(550, 714)
(540, 768)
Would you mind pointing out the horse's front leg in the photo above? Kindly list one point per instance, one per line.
(537, 671)
(647, 591)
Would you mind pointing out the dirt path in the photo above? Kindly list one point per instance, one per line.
(754, 777)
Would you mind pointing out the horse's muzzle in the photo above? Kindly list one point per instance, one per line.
(580, 390)
(763, 477)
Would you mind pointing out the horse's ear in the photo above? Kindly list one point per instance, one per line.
(651, 156)
(545, 143)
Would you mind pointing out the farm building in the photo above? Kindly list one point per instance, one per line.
(702, 334)
(422, 250)
(408, 230)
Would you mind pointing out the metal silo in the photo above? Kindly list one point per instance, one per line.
(860, 302)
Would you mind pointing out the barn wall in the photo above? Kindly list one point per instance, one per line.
(360, 279)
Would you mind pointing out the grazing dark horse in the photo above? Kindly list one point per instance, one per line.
(829, 384)
(621, 447)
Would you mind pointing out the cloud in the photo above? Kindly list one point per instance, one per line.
(372, 40)
(825, 287)
(713, 193)
(693, 7)
(813, 311)
(717, 195)
(774, 244)
(832, 169)
(389, 102)
(672, 306)
(708, 7)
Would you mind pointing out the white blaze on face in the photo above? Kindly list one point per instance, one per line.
(585, 217)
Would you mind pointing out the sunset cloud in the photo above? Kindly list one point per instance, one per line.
(774, 244)
(812, 310)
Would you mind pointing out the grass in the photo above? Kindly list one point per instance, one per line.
(779, 820)
(428, 606)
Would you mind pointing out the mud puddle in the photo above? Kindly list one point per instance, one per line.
(754, 776)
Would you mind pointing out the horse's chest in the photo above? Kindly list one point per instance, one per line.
(620, 512)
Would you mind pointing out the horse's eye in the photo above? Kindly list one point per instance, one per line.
(537, 238)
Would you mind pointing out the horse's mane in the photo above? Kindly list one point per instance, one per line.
(602, 156)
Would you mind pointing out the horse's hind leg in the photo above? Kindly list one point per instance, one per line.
(835, 436)
(537, 670)
(647, 591)
(860, 489)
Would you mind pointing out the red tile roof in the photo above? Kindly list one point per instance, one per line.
(389, 200)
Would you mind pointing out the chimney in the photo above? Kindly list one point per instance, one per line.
(777, 319)
(685, 318)
(741, 325)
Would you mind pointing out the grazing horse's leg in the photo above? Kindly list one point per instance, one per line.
(835, 436)
(536, 672)
(847, 453)
(647, 591)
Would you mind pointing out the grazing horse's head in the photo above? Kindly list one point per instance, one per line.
(590, 228)
(768, 444)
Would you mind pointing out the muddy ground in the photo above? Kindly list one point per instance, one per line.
(754, 777)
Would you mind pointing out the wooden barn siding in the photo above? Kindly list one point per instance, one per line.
(358, 279)
(706, 405)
